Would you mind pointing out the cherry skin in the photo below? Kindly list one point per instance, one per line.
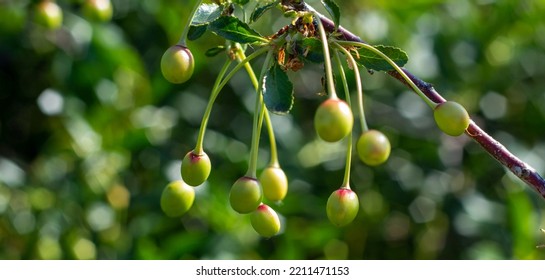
(342, 207)
(48, 14)
(98, 10)
(195, 168)
(451, 117)
(333, 120)
(265, 221)
(274, 183)
(177, 64)
(177, 198)
(373, 147)
(245, 195)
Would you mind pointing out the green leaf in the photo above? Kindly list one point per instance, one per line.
(206, 13)
(373, 61)
(231, 28)
(277, 91)
(214, 51)
(196, 31)
(333, 9)
(261, 9)
(241, 2)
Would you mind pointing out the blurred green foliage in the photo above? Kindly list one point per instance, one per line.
(91, 133)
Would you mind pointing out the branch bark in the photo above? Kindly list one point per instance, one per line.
(518, 167)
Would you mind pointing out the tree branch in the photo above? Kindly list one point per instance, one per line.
(518, 167)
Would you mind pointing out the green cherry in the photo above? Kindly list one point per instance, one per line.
(274, 183)
(333, 120)
(48, 14)
(452, 118)
(373, 147)
(98, 10)
(177, 64)
(342, 207)
(265, 221)
(245, 195)
(195, 168)
(177, 198)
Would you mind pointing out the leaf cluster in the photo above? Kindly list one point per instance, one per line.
(294, 45)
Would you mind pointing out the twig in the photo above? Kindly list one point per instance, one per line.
(518, 167)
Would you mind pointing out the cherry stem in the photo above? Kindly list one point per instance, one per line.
(327, 59)
(518, 167)
(182, 41)
(274, 154)
(354, 65)
(272, 141)
(348, 163)
(217, 89)
(259, 111)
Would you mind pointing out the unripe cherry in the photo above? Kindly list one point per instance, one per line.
(177, 64)
(342, 207)
(195, 168)
(274, 183)
(177, 198)
(265, 221)
(245, 195)
(451, 117)
(373, 147)
(48, 14)
(333, 120)
(99, 10)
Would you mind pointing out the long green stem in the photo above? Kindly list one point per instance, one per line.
(359, 88)
(396, 67)
(258, 117)
(215, 92)
(327, 59)
(348, 163)
(262, 110)
(182, 42)
(274, 154)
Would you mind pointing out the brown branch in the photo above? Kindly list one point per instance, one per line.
(518, 167)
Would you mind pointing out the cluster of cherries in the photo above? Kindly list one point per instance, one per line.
(333, 121)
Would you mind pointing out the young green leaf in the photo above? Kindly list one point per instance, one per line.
(333, 9)
(231, 28)
(206, 13)
(196, 31)
(261, 9)
(310, 49)
(373, 61)
(277, 91)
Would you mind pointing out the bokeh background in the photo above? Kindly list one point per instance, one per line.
(91, 133)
